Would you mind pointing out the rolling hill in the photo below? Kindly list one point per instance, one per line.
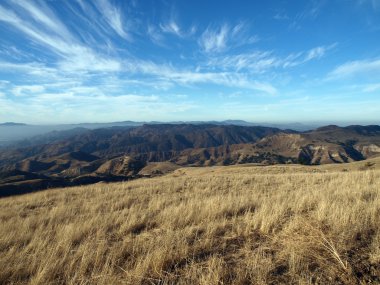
(81, 156)
(240, 224)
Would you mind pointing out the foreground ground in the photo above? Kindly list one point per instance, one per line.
(219, 225)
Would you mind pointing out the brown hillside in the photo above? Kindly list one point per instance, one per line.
(218, 225)
(107, 154)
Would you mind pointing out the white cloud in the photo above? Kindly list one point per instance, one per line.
(24, 90)
(113, 17)
(157, 34)
(8, 16)
(186, 77)
(312, 11)
(358, 67)
(263, 61)
(215, 40)
(90, 62)
(172, 28)
(318, 52)
(10, 51)
(224, 79)
(33, 68)
(74, 56)
(224, 37)
(257, 62)
(45, 16)
(54, 42)
(315, 53)
(160, 76)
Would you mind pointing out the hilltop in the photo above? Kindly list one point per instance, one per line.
(241, 224)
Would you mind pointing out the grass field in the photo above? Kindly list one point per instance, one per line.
(218, 225)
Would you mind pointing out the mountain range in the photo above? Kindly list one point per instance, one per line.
(81, 156)
(11, 132)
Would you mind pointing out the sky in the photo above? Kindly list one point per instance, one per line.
(267, 61)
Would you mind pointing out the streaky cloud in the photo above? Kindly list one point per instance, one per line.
(214, 40)
(113, 17)
(357, 67)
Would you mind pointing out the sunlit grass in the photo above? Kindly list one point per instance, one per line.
(227, 225)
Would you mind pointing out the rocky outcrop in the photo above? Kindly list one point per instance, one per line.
(125, 166)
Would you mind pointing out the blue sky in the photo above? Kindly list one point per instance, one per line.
(261, 61)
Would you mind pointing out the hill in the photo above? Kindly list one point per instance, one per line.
(240, 224)
(9, 124)
(12, 133)
(82, 156)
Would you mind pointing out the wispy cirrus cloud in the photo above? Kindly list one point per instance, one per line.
(76, 59)
(315, 53)
(45, 16)
(215, 40)
(90, 62)
(29, 68)
(357, 67)
(310, 12)
(171, 24)
(318, 52)
(61, 58)
(168, 73)
(52, 34)
(58, 43)
(171, 27)
(220, 38)
(263, 61)
(113, 17)
(224, 79)
(157, 34)
(256, 62)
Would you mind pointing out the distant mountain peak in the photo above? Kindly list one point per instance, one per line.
(12, 124)
(328, 128)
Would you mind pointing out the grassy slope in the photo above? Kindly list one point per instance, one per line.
(219, 225)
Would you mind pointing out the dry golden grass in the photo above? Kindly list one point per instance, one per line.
(219, 225)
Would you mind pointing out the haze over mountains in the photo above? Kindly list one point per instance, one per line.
(11, 132)
(82, 156)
